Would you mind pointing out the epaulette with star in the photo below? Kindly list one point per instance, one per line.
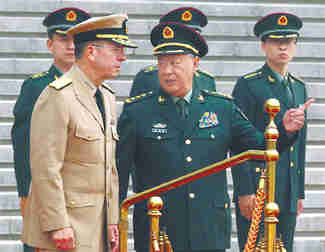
(297, 78)
(108, 88)
(61, 83)
(138, 98)
(218, 94)
(200, 71)
(253, 75)
(150, 68)
(38, 75)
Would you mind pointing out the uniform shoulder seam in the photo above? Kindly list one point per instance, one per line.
(39, 75)
(253, 75)
(205, 73)
(218, 94)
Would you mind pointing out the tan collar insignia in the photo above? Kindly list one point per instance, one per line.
(187, 16)
(168, 33)
(71, 16)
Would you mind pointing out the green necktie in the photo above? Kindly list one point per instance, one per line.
(181, 103)
(100, 104)
(288, 91)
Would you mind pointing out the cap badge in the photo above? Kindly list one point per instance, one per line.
(168, 33)
(283, 20)
(71, 16)
(187, 16)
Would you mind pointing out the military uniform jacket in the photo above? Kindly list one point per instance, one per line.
(72, 163)
(162, 147)
(147, 80)
(250, 94)
(30, 91)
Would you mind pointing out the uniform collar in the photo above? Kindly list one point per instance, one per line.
(86, 81)
(55, 71)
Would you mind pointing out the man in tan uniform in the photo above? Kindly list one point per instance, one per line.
(73, 203)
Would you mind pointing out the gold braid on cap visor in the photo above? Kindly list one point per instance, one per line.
(176, 44)
(116, 36)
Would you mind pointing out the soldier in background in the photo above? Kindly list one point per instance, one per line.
(62, 47)
(279, 33)
(147, 79)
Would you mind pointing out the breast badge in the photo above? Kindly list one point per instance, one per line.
(208, 120)
(159, 128)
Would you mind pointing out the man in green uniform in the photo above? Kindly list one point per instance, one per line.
(278, 33)
(177, 130)
(62, 48)
(147, 79)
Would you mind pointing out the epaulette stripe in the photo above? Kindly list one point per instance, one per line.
(138, 97)
(37, 75)
(252, 75)
(219, 94)
(205, 72)
(297, 78)
(150, 68)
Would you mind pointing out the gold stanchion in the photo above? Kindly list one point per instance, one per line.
(154, 205)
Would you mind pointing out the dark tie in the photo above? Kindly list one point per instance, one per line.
(288, 91)
(182, 108)
(100, 104)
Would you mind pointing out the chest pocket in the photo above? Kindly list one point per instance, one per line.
(87, 134)
(210, 133)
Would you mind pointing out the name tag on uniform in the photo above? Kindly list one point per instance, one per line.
(208, 120)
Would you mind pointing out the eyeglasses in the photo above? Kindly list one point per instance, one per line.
(115, 50)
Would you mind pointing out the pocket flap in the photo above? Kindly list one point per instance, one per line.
(75, 199)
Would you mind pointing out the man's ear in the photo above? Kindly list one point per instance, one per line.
(49, 44)
(196, 62)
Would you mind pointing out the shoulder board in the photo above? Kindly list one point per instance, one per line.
(218, 94)
(38, 75)
(205, 73)
(60, 83)
(150, 68)
(138, 97)
(297, 78)
(253, 75)
(108, 88)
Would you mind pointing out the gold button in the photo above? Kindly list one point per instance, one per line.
(191, 195)
(158, 137)
(189, 159)
(257, 169)
(292, 148)
(72, 202)
(188, 141)
(226, 205)
(212, 136)
(292, 164)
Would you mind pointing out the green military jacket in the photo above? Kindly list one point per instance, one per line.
(147, 80)
(30, 91)
(250, 93)
(161, 146)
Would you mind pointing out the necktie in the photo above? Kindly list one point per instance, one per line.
(288, 91)
(181, 103)
(100, 104)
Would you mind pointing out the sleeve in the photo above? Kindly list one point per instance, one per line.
(302, 157)
(20, 135)
(243, 175)
(49, 126)
(126, 147)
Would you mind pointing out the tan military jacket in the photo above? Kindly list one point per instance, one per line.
(72, 162)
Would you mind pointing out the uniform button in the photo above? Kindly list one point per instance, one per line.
(72, 202)
(226, 205)
(189, 159)
(191, 195)
(212, 136)
(257, 169)
(292, 164)
(158, 137)
(298, 172)
(188, 141)
(292, 148)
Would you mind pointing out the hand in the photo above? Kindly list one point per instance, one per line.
(64, 238)
(294, 119)
(114, 237)
(22, 203)
(246, 205)
(300, 207)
